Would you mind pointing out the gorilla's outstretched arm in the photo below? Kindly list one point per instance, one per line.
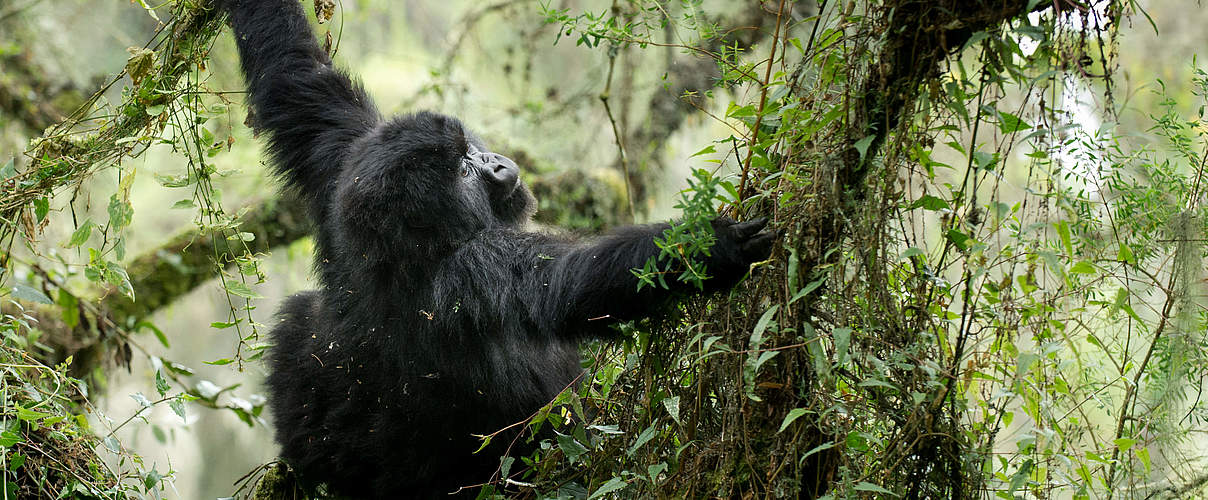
(311, 111)
(593, 285)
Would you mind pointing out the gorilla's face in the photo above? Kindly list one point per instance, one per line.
(493, 180)
(426, 173)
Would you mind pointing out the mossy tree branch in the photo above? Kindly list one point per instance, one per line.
(22, 78)
(63, 157)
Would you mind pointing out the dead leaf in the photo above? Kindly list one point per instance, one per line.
(140, 64)
(324, 9)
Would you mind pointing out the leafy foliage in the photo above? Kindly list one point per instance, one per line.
(688, 239)
(984, 289)
(949, 316)
(48, 447)
(52, 450)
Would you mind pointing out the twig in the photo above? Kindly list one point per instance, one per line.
(763, 100)
(616, 133)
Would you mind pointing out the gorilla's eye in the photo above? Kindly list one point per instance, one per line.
(465, 170)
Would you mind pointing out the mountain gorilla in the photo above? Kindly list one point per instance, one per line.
(439, 315)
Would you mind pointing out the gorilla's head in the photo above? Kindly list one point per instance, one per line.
(426, 175)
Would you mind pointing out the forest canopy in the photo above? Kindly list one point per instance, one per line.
(989, 281)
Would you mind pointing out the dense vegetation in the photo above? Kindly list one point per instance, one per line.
(990, 280)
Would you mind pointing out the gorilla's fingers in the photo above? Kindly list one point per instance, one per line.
(749, 228)
(759, 247)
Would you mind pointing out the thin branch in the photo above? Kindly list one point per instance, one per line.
(616, 133)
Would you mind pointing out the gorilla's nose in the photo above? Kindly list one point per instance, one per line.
(500, 170)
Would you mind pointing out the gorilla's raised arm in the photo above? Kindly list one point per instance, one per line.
(311, 111)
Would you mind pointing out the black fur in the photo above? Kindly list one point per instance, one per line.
(439, 315)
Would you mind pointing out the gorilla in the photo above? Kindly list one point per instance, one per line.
(439, 314)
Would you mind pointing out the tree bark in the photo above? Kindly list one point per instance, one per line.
(30, 97)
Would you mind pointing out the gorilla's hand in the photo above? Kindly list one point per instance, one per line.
(739, 244)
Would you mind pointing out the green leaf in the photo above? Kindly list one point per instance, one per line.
(762, 325)
(570, 447)
(984, 160)
(653, 471)
(28, 415)
(730, 190)
(159, 334)
(763, 358)
(862, 145)
(161, 385)
(1125, 443)
(672, 404)
(609, 486)
(112, 444)
(486, 441)
(120, 212)
(241, 289)
(178, 407)
(69, 307)
(160, 435)
(141, 399)
(1010, 123)
(8, 171)
(822, 363)
(10, 437)
(16, 461)
(1020, 479)
(816, 449)
(1083, 267)
(976, 38)
(1143, 454)
(220, 362)
(708, 150)
(961, 240)
(811, 286)
(875, 382)
(857, 441)
(30, 294)
(505, 466)
(115, 275)
(1063, 231)
(794, 414)
(81, 234)
(842, 338)
(867, 486)
(41, 208)
(606, 429)
(1024, 362)
(179, 368)
(756, 359)
(173, 181)
(928, 202)
(642, 439)
(152, 478)
(737, 111)
(1124, 254)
